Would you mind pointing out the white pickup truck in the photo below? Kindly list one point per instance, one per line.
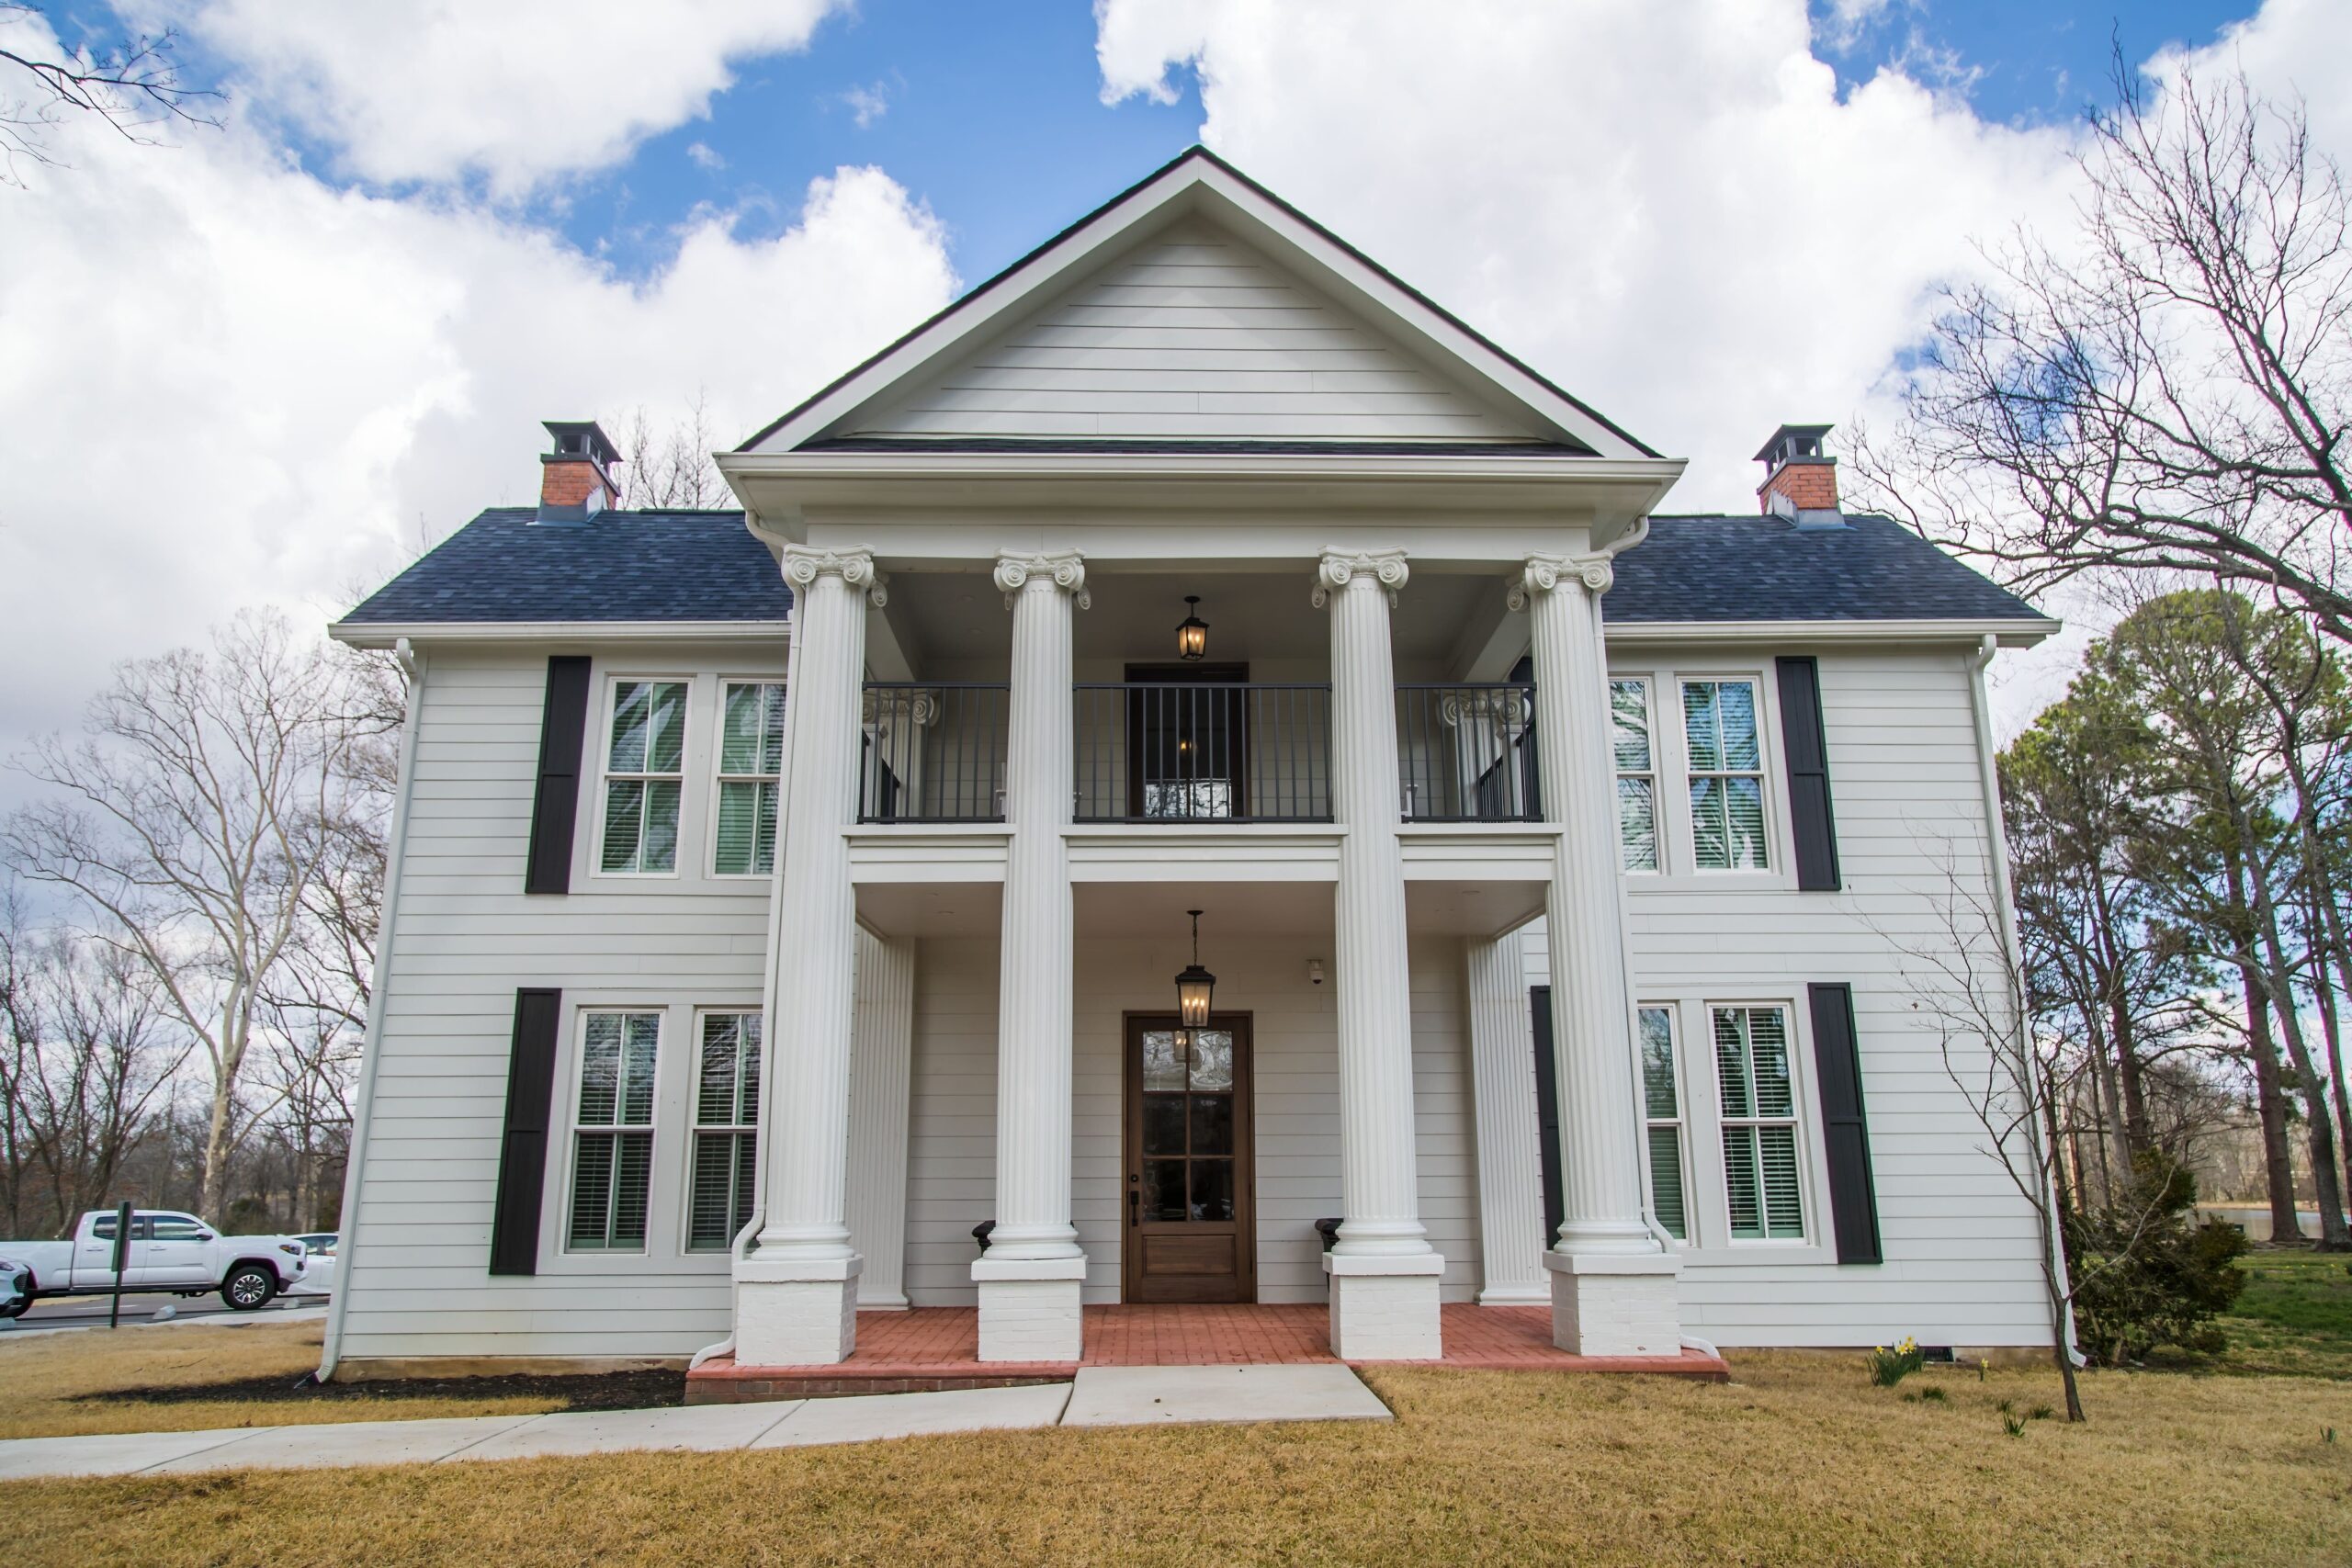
(169, 1251)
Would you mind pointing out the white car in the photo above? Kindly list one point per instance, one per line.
(319, 1270)
(166, 1251)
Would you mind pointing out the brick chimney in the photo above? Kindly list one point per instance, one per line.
(576, 479)
(1800, 480)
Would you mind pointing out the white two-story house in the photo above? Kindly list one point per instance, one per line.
(1197, 765)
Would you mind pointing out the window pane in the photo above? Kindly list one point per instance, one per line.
(740, 734)
(600, 1063)
(711, 1206)
(1665, 1181)
(624, 821)
(1658, 1062)
(753, 1027)
(665, 734)
(722, 1052)
(763, 832)
(747, 1156)
(1768, 1050)
(632, 1183)
(632, 706)
(739, 828)
(1744, 820)
(1638, 824)
(1163, 1190)
(1163, 1123)
(1213, 1059)
(591, 1189)
(1731, 1062)
(1742, 1184)
(1783, 1214)
(661, 851)
(1701, 727)
(1212, 1190)
(1629, 714)
(1212, 1124)
(1736, 712)
(1710, 825)
(772, 728)
(640, 1037)
(1161, 1070)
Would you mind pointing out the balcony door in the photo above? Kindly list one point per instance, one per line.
(1186, 740)
(1192, 1208)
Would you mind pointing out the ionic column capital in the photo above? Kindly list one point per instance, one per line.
(1544, 573)
(883, 710)
(1064, 570)
(804, 565)
(1337, 568)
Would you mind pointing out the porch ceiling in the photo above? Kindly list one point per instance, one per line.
(1230, 908)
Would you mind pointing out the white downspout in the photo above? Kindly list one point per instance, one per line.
(371, 1042)
(1997, 841)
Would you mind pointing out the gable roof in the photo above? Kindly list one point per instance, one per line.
(1198, 183)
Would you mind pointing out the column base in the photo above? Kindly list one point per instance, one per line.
(1616, 1303)
(1534, 1295)
(795, 1312)
(1385, 1308)
(1029, 1308)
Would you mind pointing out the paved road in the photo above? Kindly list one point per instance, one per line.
(90, 1312)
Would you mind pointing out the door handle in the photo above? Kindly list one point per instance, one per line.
(1135, 1200)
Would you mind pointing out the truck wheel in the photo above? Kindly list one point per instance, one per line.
(249, 1285)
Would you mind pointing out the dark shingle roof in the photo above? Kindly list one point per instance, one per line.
(619, 566)
(704, 566)
(1761, 569)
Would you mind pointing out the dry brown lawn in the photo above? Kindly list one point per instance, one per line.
(41, 1375)
(1800, 1461)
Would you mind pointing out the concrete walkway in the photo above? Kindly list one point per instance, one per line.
(1100, 1396)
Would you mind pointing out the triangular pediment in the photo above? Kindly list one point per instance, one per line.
(1195, 308)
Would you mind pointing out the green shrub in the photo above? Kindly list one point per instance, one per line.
(1891, 1367)
(2146, 1275)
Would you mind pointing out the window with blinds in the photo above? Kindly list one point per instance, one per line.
(1662, 1112)
(1761, 1176)
(612, 1153)
(726, 1131)
(1629, 716)
(644, 776)
(1724, 755)
(751, 753)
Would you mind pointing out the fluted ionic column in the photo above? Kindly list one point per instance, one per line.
(796, 1296)
(881, 1061)
(1613, 1287)
(1029, 1280)
(1383, 1272)
(1511, 1164)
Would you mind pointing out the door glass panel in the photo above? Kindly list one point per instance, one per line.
(1161, 1070)
(1163, 1190)
(1212, 1059)
(1212, 1190)
(1163, 1123)
(1212, 1124)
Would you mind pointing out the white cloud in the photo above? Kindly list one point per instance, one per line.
(516, 91)
(705, 157)
(867, 105)
(1670, 209)
(224, 383)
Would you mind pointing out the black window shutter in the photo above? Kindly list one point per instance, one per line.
(1837, 1070)
(563, 729)
(1548, 1112)
(523, 1155)
(1807, 750)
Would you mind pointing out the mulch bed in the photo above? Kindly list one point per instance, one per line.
(585, 1391)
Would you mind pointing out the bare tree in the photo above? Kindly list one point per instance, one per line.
(2168, 388)
(132, 84)
(194, 823)
(670, 471)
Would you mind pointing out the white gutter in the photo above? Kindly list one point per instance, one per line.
(2005, 910)
(371, 1043)
(364, 634)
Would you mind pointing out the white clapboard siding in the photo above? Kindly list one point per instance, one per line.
(1194, 335)
(953, 1141)
(1960, 1244)
(465, 938)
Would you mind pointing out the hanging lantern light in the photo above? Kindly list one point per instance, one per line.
(1192, 632)
(1194, 987)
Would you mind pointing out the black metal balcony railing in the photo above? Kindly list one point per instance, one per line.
(1219, 751)
(934, 751)
(1467, 753)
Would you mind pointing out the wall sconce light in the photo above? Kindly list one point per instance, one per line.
(1314, 971)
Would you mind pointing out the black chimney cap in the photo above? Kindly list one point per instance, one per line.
(583, 439)
(1791, 441)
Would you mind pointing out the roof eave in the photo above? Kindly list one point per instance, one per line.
(387, 633)
(2009, 631)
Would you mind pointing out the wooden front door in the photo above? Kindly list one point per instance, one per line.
(1192, 1214)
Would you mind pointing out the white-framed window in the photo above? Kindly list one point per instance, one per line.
(612, 1139)
(644, 760)
(1636, 755)
(1763, 1176)
(1724, 751)
(1662, 1114)
(726, 1131)
(751, 753)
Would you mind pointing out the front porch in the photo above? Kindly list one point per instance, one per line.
(938, 1347)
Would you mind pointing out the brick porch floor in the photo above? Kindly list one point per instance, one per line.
(938, 1347)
